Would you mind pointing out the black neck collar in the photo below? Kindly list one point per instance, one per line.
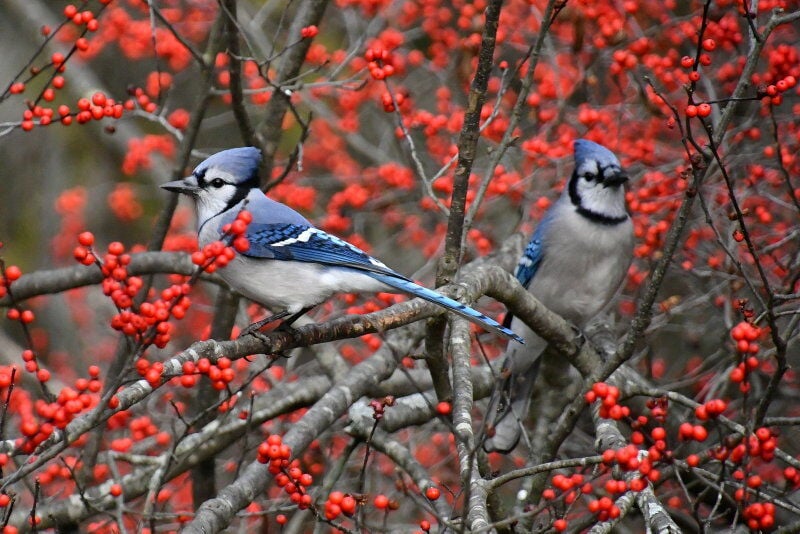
(593, 216)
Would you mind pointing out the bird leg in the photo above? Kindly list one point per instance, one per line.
(253, 329)
(258, 325)
(286, 324)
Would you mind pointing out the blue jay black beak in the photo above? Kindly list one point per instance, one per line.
(616, 179)
(187, 186)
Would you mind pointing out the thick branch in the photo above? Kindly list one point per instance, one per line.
(216, 514)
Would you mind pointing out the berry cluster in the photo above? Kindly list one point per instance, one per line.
(687, 431)
(308, 32)
(339, 503)
(571, 487)
(140, 151)
(745, 335)
(56, 414)
(217, 254)
(609, 397)
(288, 474)
(221, 374)
(148, 321)
(760, 516)
(9, 275)
(379, 62)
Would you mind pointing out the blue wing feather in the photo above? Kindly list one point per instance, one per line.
(529, 262)
(309, 244)
(531, 258)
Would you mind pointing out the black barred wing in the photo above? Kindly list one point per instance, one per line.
(309, 244)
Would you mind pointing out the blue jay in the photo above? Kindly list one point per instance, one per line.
(290, 266)
(574, 264)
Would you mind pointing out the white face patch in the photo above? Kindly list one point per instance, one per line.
(212, 199)
(594, 195)
(588, 168)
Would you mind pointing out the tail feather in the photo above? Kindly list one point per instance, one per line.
(474, 316)
(511, 397)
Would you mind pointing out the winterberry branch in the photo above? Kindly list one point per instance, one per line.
(478, 514)
(235, 71)
(402, 457)
(206, 443)
(200, 60)
(310, 14)
(216, 514)
(551, 11)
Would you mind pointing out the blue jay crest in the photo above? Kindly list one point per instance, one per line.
(589, 150)
(241, 163)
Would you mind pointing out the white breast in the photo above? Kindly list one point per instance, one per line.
(583, 266)
(293, 285)
(288, 285)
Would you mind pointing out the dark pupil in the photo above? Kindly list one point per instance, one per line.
(217, 182)
(590, 176)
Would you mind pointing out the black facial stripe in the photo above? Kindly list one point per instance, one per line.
(593, 216)
(201, 177)
(238, 196)
(574, 196)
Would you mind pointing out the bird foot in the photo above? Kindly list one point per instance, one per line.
(578, 333)
(253, 329)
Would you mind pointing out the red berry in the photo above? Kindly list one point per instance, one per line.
(699, 433)
(116, 248)
(381, 502)
(348, 505)
(84, 238)
(432, 493)
(13, 273)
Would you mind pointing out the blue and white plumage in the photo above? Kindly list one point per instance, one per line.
(290, 266)
(574, 263)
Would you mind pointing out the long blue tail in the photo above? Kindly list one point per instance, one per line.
(474, 316)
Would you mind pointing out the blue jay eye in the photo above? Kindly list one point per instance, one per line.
(217, 182)
(590, 176)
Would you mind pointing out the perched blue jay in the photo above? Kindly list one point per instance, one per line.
(574, 264)
(290, 266)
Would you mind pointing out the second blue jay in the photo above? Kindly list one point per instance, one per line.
(574, 264)
(291, 266)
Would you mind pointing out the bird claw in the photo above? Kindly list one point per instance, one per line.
(261, 336)
(578, 333)
(251, 330)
